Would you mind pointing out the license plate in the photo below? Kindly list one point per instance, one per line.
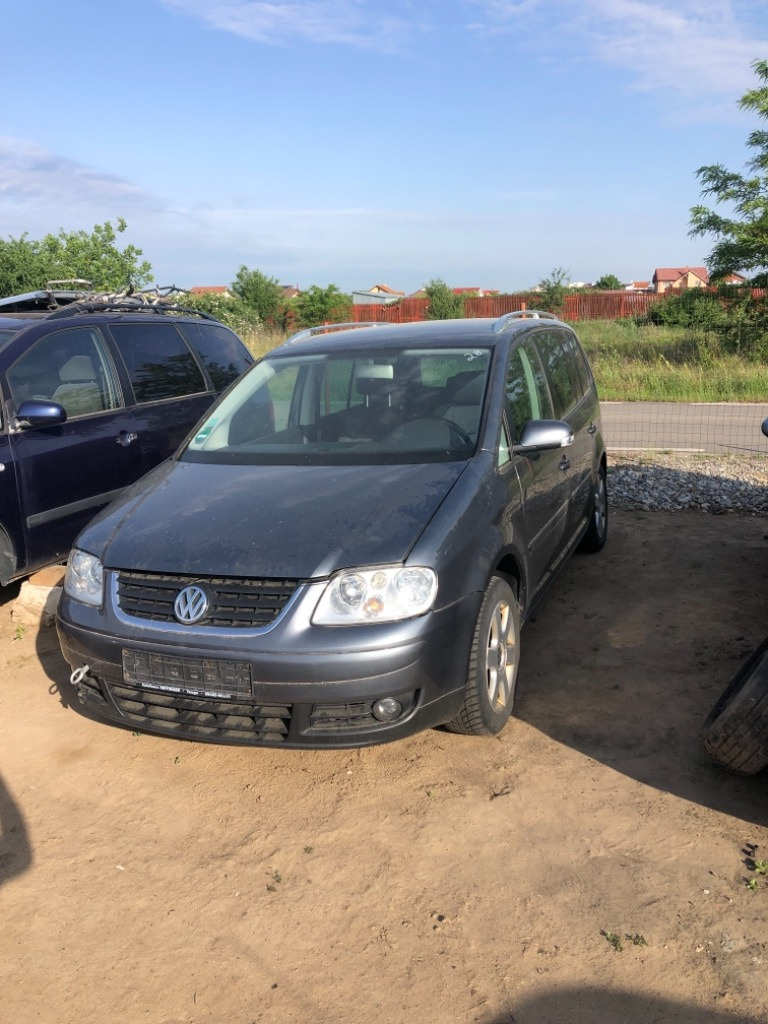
(195, 676)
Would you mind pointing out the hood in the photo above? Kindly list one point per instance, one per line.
(270, 521)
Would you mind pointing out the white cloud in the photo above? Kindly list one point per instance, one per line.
(357, 23)
(693, 51)
(30, 173)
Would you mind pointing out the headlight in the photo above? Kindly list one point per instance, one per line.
(84, 579)
(384, 594)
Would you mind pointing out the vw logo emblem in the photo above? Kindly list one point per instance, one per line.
(190, 605)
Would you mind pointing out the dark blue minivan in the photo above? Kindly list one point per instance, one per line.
(92, 396)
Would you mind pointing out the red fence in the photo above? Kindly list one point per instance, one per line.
(580, 306)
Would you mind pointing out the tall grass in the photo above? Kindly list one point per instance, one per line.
(652, 363)
(648, 363)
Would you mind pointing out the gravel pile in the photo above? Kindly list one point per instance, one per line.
(669, 482)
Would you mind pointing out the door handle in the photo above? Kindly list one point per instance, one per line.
(564, 464)
(591, 429)
(126, 437)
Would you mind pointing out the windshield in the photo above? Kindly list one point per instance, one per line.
(406, 405)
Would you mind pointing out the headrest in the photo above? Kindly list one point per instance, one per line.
(466, 388)
(77, 368)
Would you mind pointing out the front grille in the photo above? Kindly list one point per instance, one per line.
(202, 719)
(234, 603)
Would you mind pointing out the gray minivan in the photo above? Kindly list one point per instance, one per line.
(346, 547)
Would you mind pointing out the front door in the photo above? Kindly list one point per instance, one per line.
(66, 473)
(543, 476)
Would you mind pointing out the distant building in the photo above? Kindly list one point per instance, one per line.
(290, 291)
(638, 286)
(376, 295)
(479, 292)
(212, 289)
(681, 278)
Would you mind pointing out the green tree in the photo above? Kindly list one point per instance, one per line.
(233, 312)
(318, 305)
(608, 283)
(742, 238)
(553, 290)
(263, 294)
(27, 264)
(443, 303)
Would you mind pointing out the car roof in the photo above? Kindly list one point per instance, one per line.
(485, 331)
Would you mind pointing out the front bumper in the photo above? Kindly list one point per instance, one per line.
(292, 685)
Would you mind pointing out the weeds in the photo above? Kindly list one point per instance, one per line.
(276, 880)
(759, 868)
(618, 944)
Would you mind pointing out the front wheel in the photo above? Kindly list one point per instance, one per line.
(597, 531)
(493, 663)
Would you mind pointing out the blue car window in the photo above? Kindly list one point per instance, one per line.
(158, 361)
(223, 354)
(71, 367)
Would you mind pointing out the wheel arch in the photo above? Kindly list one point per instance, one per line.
(8, 557)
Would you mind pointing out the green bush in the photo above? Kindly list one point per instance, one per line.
(443, 303)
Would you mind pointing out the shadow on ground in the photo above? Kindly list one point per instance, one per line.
(600, 1006)
(633, 646)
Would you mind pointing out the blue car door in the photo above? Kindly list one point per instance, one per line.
(66, 472)
(170, 392)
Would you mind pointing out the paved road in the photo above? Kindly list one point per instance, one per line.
(715, 427)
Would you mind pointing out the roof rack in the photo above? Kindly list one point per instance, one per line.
(508, 319)
(149, 300)
(128, 305)
(310, 332)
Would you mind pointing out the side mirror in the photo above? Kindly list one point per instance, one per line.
(544, 435)
(40, 414)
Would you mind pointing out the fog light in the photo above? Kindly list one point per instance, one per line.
(387, 709)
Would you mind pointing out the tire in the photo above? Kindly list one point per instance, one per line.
(597, 531)
(735, 734)
(493, 664)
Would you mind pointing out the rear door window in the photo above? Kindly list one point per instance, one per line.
(222, 353)
(158, 360)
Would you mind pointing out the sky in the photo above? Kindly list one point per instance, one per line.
(487, 143)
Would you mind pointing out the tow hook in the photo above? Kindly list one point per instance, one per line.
(79, 675)
(76, 679)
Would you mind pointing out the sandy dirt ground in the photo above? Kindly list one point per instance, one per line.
(589, 865)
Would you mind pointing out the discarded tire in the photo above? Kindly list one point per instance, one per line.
(735, 734)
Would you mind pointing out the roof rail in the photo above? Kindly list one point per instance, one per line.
(67, 283)
(310, 332)
(508, 319)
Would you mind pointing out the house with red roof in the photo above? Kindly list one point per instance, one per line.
(681, 278)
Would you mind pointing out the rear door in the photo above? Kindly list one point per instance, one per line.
(169, 392)
(65, 473)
